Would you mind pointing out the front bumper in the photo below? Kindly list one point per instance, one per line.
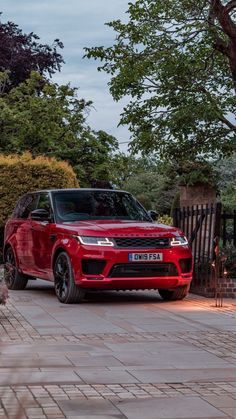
(114, 257)
(134, 283)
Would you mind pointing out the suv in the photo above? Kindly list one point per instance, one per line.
(93, 239)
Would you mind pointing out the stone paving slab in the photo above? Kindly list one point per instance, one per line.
(78, 408)
(184, 375)
(118, 355)
(182, 407)
(193, 400)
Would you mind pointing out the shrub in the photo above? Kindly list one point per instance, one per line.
(165, 219)
(3, 293)
(23, 173)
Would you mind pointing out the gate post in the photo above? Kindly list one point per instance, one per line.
(175, 217)
(217, 220)
(216, 256)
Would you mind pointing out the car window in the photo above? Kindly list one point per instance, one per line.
(97, 205)
(44, 202)
(25, 205)
(19, 207)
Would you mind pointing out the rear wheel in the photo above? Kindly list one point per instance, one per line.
(178, 293)
(66, 290)
(13, 278)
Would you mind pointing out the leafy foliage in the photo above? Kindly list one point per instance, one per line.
(22, 53)
(225, 170)
(165, 219)
(21, 174)
(228, 196)
(52, 121)
(198, 172)
(147, 179)
(3, 293)
(176, 59)
(229, 252)
(126, 166)
(153, 190)
(94, 155)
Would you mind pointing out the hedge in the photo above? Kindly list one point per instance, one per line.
(23, 173)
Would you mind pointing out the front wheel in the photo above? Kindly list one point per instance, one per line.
(178, 293)
(13, 278)
(66, 290)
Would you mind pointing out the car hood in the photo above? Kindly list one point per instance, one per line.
(119, 228)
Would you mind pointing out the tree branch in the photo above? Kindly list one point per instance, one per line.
(217, 10)
(228, 123)
(220, 45)
(230, 6)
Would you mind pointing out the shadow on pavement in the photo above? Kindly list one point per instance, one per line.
(40, 288)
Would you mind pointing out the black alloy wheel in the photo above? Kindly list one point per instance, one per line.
(66, 290)
(13, 278)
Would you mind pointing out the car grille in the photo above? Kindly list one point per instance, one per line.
(143, 270)
(142, 242)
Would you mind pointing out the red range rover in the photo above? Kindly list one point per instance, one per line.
(84, 239)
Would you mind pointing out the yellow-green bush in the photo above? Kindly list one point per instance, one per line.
(165, 219)
(23, 173)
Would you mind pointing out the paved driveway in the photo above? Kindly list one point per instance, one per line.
(117, 355)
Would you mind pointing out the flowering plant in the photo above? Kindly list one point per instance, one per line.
(3, 292)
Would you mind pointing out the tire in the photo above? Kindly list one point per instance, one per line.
(178, 293)
(66, 290)
(13, 278)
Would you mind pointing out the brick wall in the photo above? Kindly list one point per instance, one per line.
(196, 195)
(227, 287)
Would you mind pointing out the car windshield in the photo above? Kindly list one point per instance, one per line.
(81, 205)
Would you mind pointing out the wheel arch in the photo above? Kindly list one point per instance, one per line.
(6, 247)
(56, 253)
(70, 247)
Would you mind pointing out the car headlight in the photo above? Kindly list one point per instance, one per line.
(179, 241)
(95, 241)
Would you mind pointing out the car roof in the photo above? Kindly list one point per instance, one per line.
(76, 190)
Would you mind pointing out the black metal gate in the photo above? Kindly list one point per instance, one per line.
(202, 226)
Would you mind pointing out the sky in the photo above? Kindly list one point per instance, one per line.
(77, 23)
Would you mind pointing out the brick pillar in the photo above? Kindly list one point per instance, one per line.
(197, 195)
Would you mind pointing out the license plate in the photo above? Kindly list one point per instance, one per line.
(140, 257)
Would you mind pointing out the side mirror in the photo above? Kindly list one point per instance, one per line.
(153, 215)
(40, 215)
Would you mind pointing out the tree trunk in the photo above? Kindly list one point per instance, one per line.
(232, 60)
(222, 14)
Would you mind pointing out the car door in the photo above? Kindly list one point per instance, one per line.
(42, 239)
(21, 230)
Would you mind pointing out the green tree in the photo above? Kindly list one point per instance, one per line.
(52, 121)
(147, 178)
(176, 59)
(126, 166)
(228, 196)
(226, 171)
(226, 175)
(96, 150)
(22, 53)
(153, 190)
